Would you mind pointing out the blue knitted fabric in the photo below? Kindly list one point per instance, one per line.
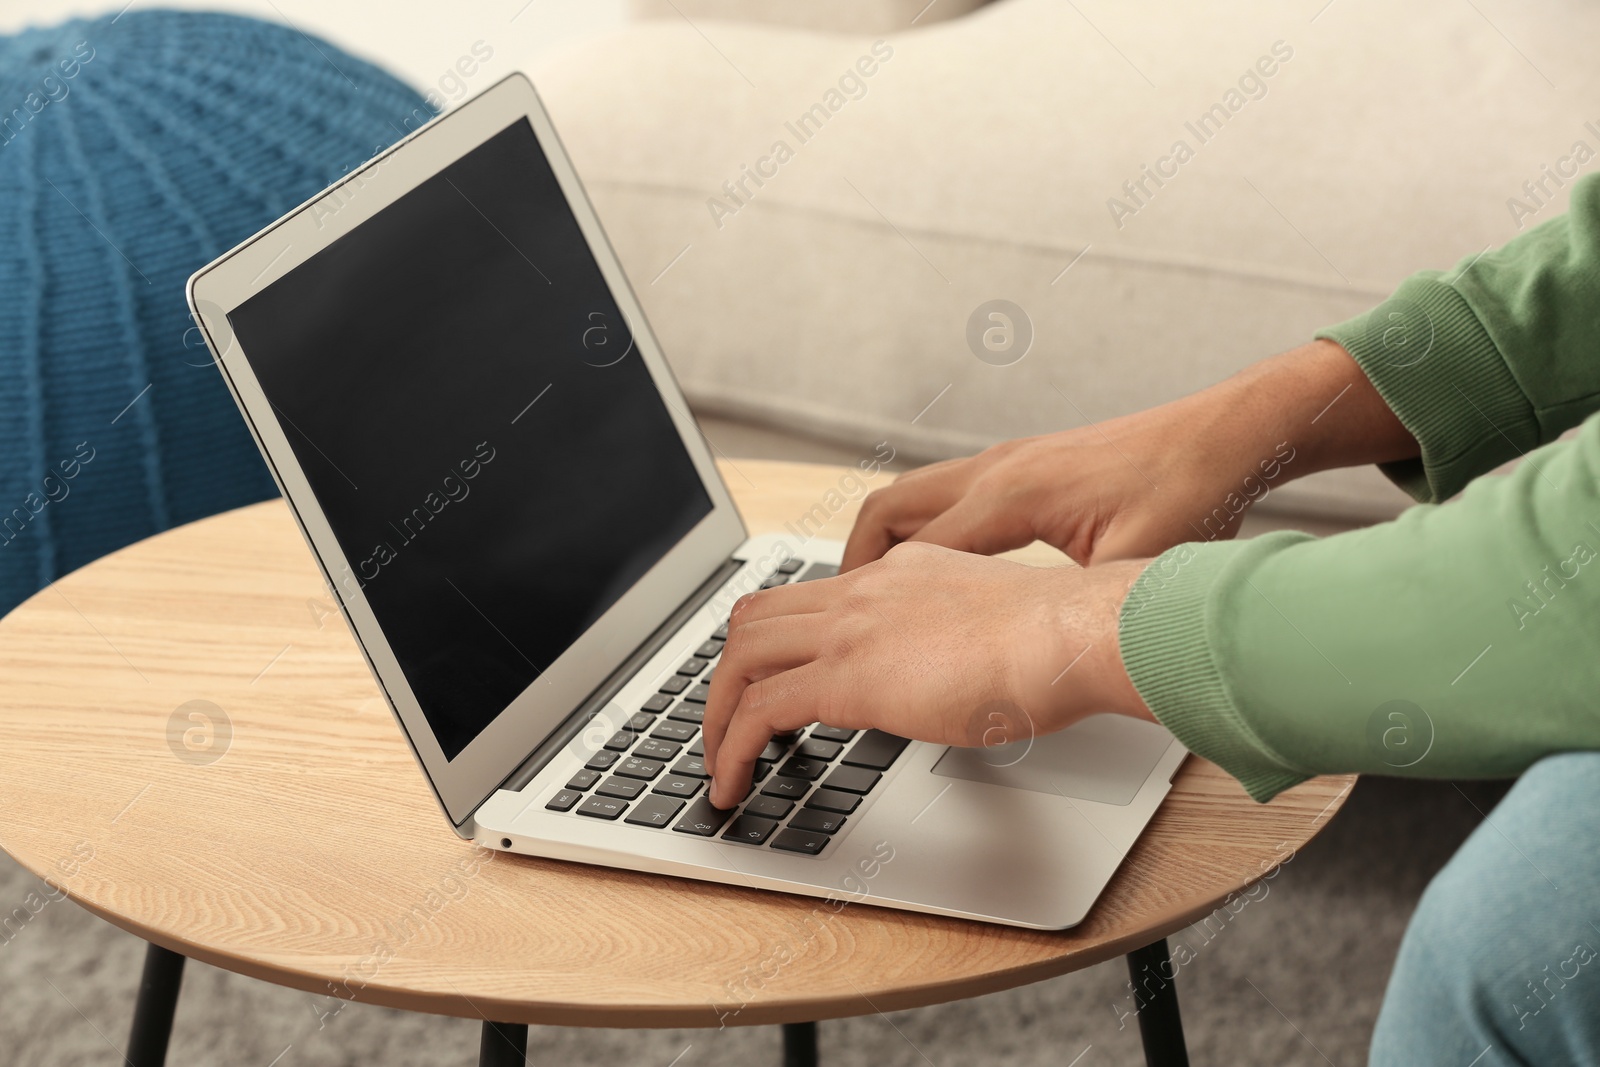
(134, 150)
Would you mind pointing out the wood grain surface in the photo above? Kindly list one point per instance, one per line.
(295, 840)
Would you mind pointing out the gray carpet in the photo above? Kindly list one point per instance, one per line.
(1319, 946)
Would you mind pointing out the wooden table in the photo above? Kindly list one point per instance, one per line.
(195, 751)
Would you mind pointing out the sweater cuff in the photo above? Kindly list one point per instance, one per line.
(1434, 363)
(1166, 651)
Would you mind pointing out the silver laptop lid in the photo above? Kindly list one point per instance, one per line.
(457, 391)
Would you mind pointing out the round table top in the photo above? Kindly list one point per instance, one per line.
(285, 832)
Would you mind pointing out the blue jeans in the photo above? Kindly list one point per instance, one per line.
(1501, 963)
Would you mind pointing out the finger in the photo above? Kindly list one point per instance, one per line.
(943, 466)
(867, 541)
(775, 704)
(753, 651)
(791, 598)
(895, 513)
(978, 524)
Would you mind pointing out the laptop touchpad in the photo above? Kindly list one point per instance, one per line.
(1104, 758)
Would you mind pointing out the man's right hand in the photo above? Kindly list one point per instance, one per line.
(1137, 485)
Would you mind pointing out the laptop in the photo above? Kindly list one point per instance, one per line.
(456, 389)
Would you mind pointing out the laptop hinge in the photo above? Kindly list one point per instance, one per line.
(618, 678)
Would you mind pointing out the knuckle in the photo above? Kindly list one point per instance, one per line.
(734, 649)
(908, 552)
(741, 607)
(839, 644)
(757, 695)
(760, 700)
(1008, 449)
(855, 604)
(879, 500)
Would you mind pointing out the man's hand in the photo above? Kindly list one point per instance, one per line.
(1135, 486)
(924, 643)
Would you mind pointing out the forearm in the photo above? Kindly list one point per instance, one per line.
(1315, 398)
(1285, 656)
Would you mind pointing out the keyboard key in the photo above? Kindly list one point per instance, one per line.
(876, 749)
(833, 800)
(694, 713)
(699, 694)
(698, 748)
(817, 821)
(775, 581)
(678, 786)
(650, 748)
(674, 731)
(691, 767)
(774, 751)
(658, 702)
(788, 737)
(676, 684)
(583, 780)
(831, 733)
(815, 748)
(709, 650)
(626, 788)
(808, 769)
(801, 841)
(564, 800)
(819, 570)
(692, 666)
(762, 769)
(634, 767)
(793, 788)
(852, 779)
(789, 566)
(654, 811)
(622, 740)
(641, 721)
(603, 807)
(769, 807)
(601, 760)
(750, 830)
(721, 634)
(702, 819)
(709, 675)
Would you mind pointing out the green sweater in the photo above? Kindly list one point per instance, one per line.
(1461, 640)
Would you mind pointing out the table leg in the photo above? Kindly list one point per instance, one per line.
(1155, 993)
(503, 1045)
(152, 1013)
(799, 1045)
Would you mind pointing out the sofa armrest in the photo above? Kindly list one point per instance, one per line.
(838, 16)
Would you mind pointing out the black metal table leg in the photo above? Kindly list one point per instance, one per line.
(1155, 993)
(503, 1045)
(799, 1045)
(157, 1003)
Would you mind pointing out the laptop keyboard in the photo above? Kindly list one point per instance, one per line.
(652, 774)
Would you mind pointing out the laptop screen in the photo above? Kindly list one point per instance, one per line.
(463, 396)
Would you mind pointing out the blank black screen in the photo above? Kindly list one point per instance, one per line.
(462, 393)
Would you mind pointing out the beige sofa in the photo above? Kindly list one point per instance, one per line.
(977, 164)
(1017, 151)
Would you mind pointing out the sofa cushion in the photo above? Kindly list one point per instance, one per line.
(986, 158)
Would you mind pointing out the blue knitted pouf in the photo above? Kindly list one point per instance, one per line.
(133, 150)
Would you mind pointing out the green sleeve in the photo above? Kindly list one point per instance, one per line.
(1492, 359)
(1458, 641)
